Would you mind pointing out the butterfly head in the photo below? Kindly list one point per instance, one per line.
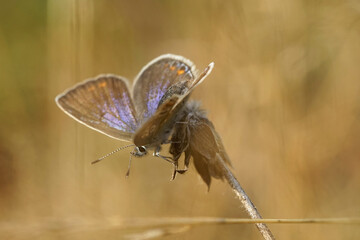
(139, 151)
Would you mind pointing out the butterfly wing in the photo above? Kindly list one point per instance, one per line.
(154, 80)
(157, 128)
(194, 83)
(103, 104)
(203, 139)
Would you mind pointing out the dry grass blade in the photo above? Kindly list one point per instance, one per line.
(245, 200)
(70, 225)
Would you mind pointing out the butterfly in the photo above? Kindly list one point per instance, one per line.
(145, 116)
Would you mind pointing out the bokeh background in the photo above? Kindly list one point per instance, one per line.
(284, 96)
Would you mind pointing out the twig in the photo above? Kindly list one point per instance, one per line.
(194, 221)
(245, 200)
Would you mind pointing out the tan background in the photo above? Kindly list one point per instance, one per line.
(284, 96)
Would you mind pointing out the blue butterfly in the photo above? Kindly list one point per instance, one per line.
(147, 116)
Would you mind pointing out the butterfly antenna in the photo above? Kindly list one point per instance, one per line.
(111, 153)
(129, 166)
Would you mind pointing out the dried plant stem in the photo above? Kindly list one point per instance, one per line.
(118, 223)
(245, 200)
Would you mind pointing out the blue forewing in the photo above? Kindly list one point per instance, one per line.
(154, 80)
(103, 104)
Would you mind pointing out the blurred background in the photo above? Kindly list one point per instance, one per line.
(284, 96)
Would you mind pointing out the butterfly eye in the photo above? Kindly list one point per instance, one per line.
(142, 149)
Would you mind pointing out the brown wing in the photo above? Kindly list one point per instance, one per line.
(210, 137)
(103, 104)
(221, 147)
(203, 139)
(202, 167)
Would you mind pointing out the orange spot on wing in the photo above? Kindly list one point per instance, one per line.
(92, 88)
(179, 72)
(103, 84)
(172, 68)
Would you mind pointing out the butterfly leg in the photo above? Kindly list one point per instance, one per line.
(168, 159)
(182, 171)
(128, 171)
(186, 151)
